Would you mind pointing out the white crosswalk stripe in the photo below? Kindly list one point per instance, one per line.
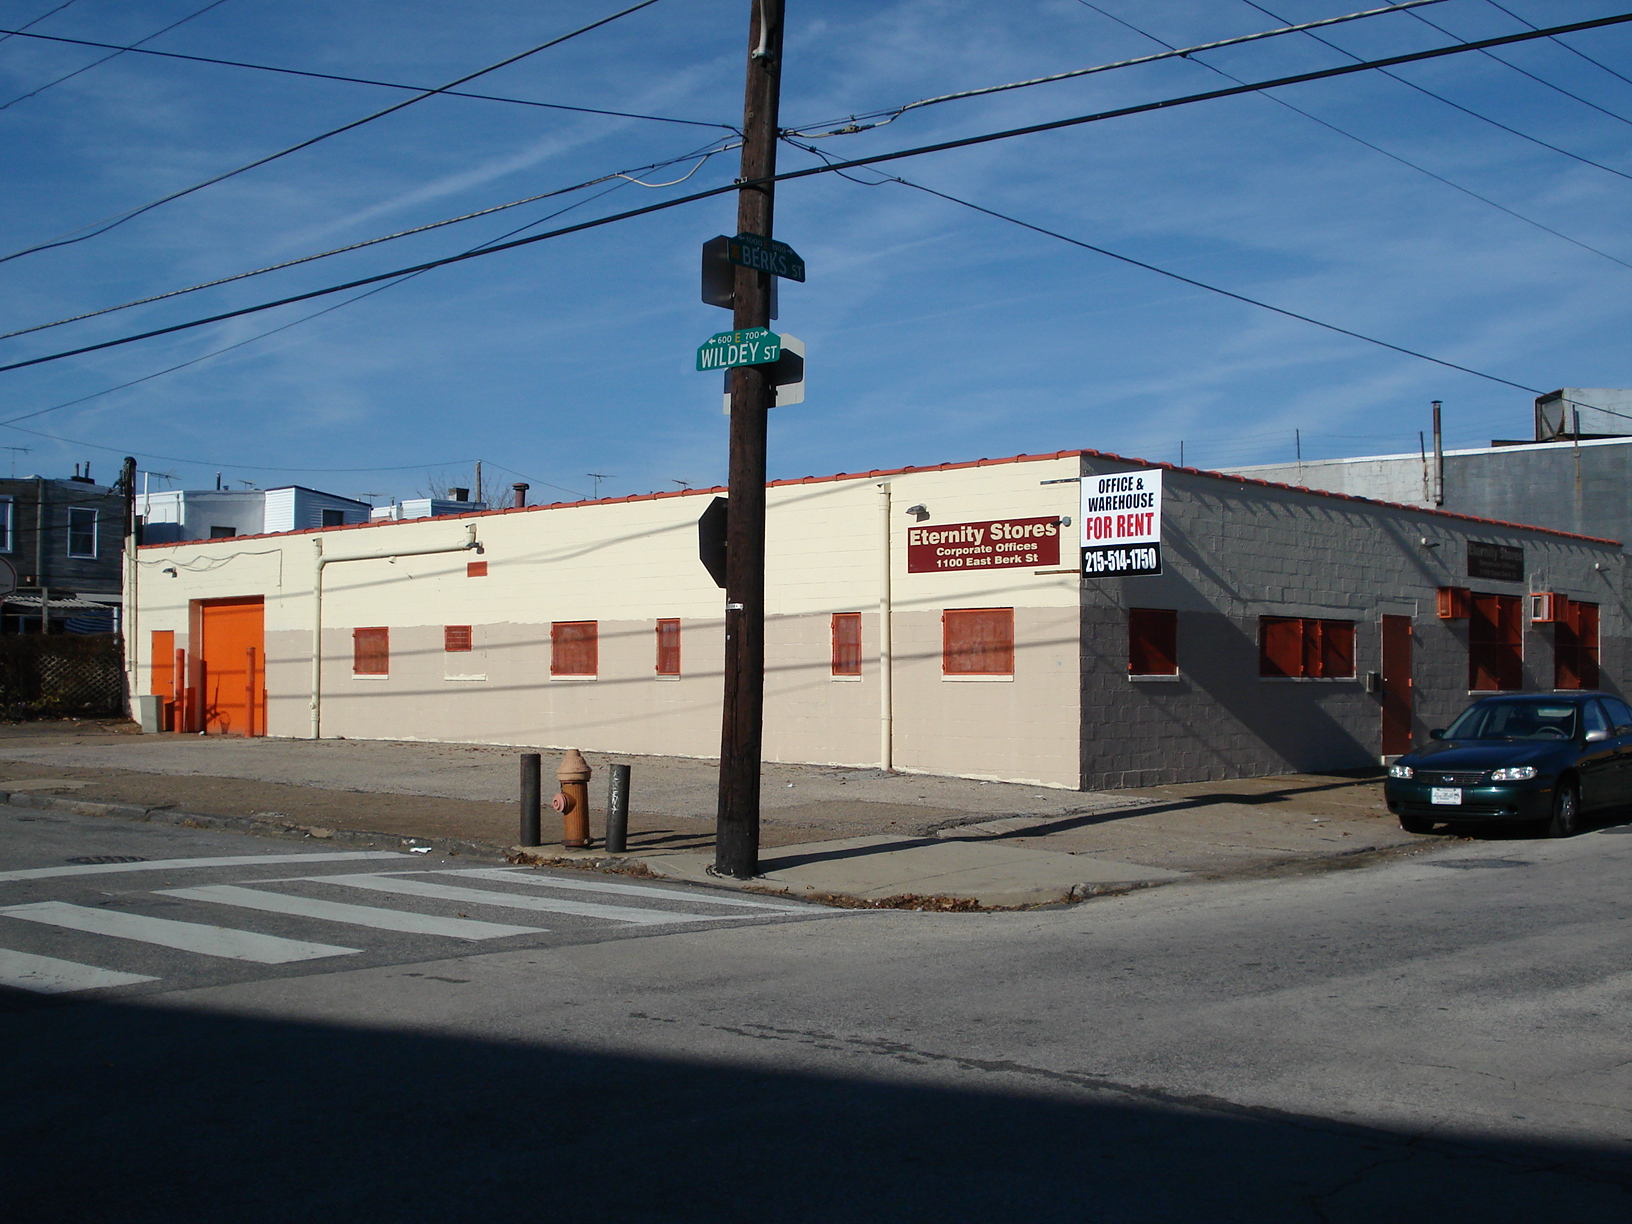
(481, 896)
(355, 915)
(166, 932)
(521, 875)
(292, 898)
(191, 864)
(48, 975)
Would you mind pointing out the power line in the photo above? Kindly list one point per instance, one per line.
(1560, 42)
(1479, 46)
(1525, 73)
(1360, 140)
(895, 112)
(121, 218)
(117, 52)
(351, 80)
(830, 168)
(1160, 271)
(702, 157)
(35, 22)
(283, 327)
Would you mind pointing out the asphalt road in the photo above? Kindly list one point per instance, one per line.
(1444, 1038)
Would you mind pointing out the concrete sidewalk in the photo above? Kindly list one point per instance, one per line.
(849, 836)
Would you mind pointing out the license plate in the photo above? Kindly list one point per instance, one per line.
(1451, 795)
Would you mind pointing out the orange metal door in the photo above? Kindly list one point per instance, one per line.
(232, 666)
(162, 663)
(1396, 685)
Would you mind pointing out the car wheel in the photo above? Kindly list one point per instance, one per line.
(1416, 824)
(1566, 811)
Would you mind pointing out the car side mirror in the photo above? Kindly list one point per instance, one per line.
(1597, 736)
(1437, 733)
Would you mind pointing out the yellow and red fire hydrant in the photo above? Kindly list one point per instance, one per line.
(572, 801)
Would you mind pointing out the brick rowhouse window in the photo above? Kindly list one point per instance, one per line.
(455, 638)
(847, 643)
(371, 652)
(977, 642)
(573, 648)
(1575, 647)
(1153, 642)
(1305, 648)
(668, 646)
(1496, 643)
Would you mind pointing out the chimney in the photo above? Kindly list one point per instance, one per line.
(521, 487)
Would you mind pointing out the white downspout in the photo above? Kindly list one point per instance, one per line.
(886, 695)
(321, 563)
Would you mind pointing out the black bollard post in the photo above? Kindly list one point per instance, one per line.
(617, 810)
(531, 765)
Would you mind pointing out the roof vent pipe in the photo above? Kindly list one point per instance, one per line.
(521, 487)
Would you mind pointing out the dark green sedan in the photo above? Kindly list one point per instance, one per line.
(1532, 758)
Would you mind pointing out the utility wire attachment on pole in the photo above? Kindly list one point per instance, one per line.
(736, 841)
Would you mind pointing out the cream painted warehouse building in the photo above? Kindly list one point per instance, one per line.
(933, 620)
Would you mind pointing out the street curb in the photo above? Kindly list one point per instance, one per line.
(258, 826)
(285, 829)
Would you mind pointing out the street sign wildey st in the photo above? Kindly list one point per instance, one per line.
(750, 346)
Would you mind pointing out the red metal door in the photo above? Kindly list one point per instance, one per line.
(1396, 685)
(232, 655)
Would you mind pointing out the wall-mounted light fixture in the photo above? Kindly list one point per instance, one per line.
(171, 571)
(1065, 520)
(1427, 543)
(919, 512)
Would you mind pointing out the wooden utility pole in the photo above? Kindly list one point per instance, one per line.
(736, 842)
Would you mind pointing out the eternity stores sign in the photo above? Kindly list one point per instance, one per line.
(1122, 524)
(1003, 542)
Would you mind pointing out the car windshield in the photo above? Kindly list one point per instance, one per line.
(1515, 720)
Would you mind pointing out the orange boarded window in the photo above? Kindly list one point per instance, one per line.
(1496, 643)
(573, 648)
(847, 643)
(455, 637)
(1575, 646)
(977, 642)
(1303, 647)
(1153, 642)
(668, 647)
(476, 569)
(371, 652)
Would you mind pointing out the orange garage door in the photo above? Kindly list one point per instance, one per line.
(232, 666)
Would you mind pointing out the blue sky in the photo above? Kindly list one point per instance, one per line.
(934, 333)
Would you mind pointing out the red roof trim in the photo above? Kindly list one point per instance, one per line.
(906, 471)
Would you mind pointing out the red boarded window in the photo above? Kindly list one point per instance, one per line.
(1153, 642)
(1306, 648)
(1575, 646)
(977, 642)
(1496, 643)
(371, 652)
(847, 643)
(573, 650)
(668, 647)
(455, 637)
(476, 569)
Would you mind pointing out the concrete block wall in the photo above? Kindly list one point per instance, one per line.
(1234, 552)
